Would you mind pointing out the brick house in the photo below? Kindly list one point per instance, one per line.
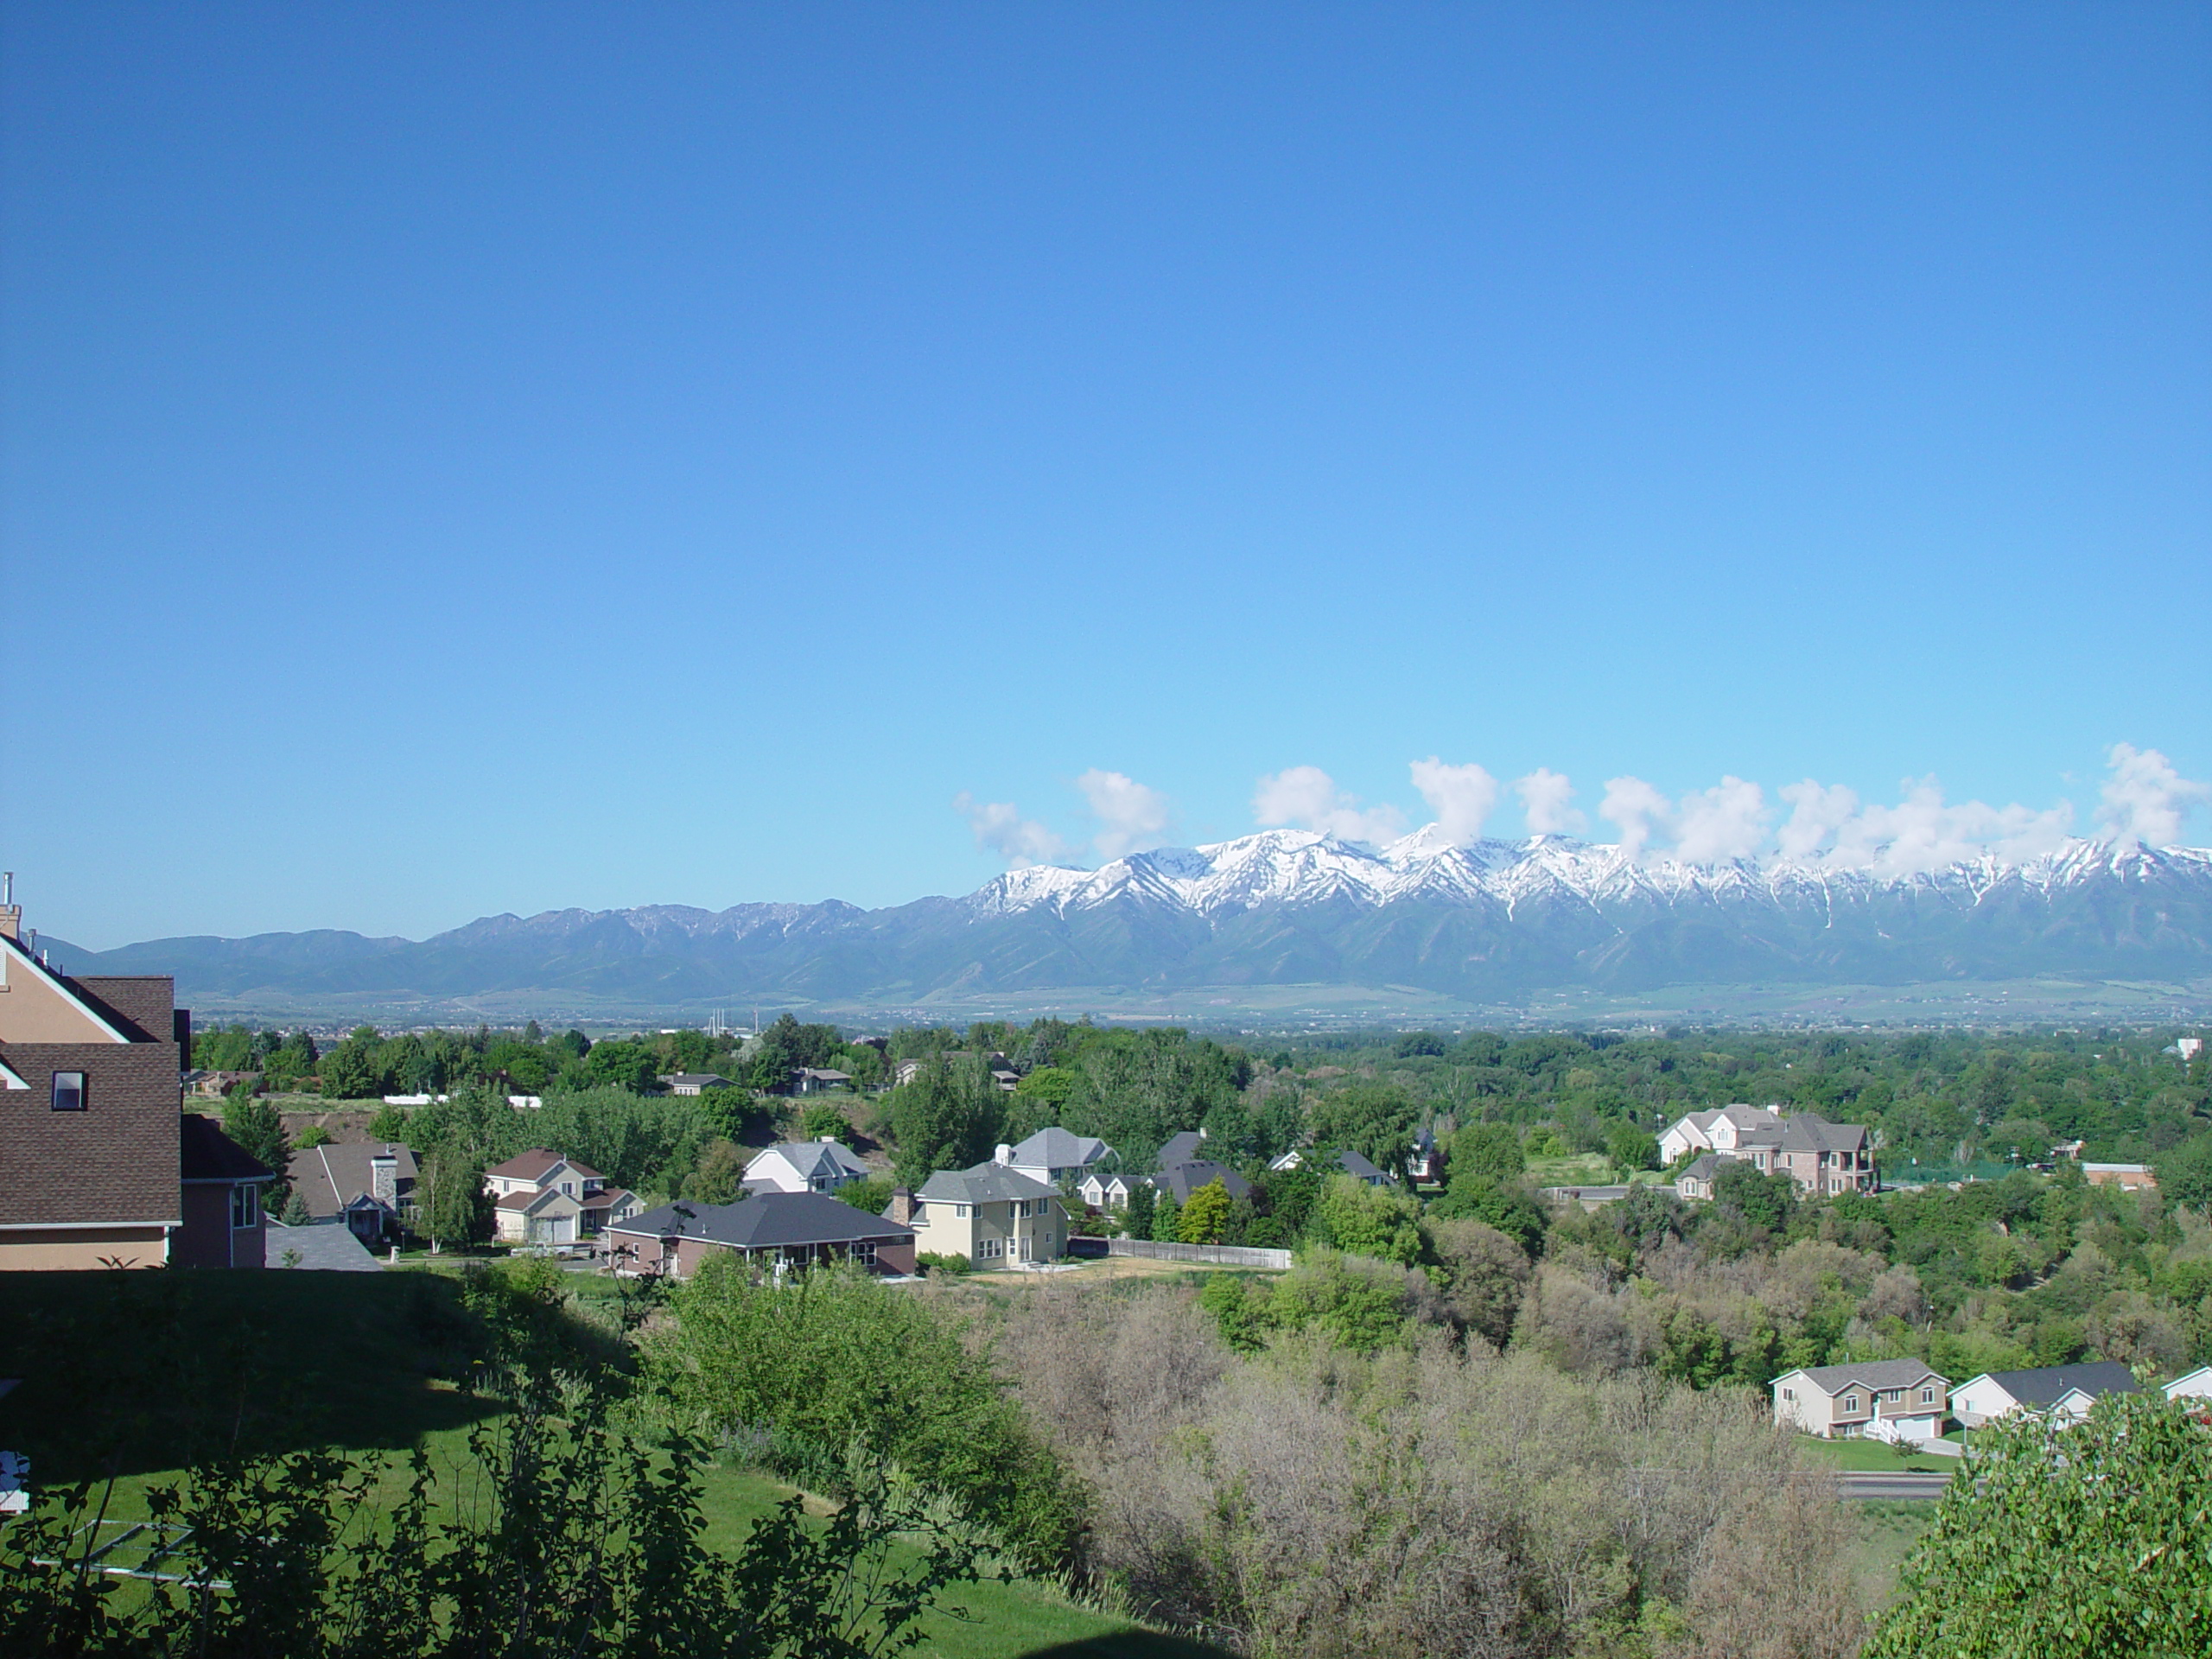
(98, 1165)
(779, 1231)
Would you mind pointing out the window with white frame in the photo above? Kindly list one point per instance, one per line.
(1928, 1396)
(961, 1210)
(245, 1206)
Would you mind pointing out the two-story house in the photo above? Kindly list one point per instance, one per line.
(1057, 1155)
(994, 1215)
(99, 1167)
(540, 1198)
(1820, 1157)
(821, 1166)
(1881, 1399)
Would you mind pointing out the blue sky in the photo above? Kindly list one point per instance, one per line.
(473, 458)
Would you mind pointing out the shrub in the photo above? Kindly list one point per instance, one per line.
(943, 1261)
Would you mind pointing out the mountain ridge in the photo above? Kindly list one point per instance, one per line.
(1492, 920)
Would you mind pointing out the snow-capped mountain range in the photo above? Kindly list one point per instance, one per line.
(1490, 921)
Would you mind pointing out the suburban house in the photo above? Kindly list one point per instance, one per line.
(2198, 1385)
(994, 1215)
(1725, 1129)
(1819, 1156)
(221, 1198)
(694, 1083)
(1184, 1179)
(540, 1198)
(1182, 1148)
(91, 1152)
(821, 1166)
(1004, 1078)
(368, 1185)
(815, 1079)
(1355, 1165)
(778, 1230)
(1696, 1181)
(1881, 1399)
(1057, 1155)
(1425, 1163)
(2060, 1390)
(1103, 1190)
(2129, 1177)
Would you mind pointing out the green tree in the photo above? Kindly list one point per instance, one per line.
(349, 1074)
(1167, 1219)
(1631, 1149)
(258, 1128)
(1205, 1217)
(388, 1123)
(720, 1177)
(820, 1118)
(1761, 1199)
(454, 1207)
(947, 1118)
(872, 1195)
(1376, 1120)
(2068, 1542)
(624, 1065)
(1375, 1220)
(1486, 1152)
(1136, 1220)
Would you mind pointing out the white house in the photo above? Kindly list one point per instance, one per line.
(1056, 1155)
(1880, 1400)
(1731, 1130)
(2198, 1385)
(2066, 1391)
(821, 1166)
(1355, 1165)
(540, 1198)
(1102, 1190)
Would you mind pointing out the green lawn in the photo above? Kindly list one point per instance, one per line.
(140, 1373)
(1874, 1457)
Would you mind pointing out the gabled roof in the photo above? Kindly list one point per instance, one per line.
(322, 1247)
(989, 1183)
(537, 1164)
(608, 1198)
(1866, 1374)
(1808, 1132)
(2047, 1384)
(765, 1221)
(1181, 1148)
(329, 1177)
(48, 998)
(1186, 1178)
(810, 1158)
(1058, 1148)
(695, 1080)
(206, 1154)
(536, 1198)
(1104, 1178)
(1702, 1168)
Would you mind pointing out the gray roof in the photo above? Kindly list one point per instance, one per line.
(990, 1183)
(813, 1158)
(1186, 1178)
(2046, 1384)
(1058, 1148)
(1809, 1132)
(765, 1221)
(323, 1247)
(1182, 1148)
(1355, 1163)
(1702, 1168)
(328, 1178)
(1869, 1374)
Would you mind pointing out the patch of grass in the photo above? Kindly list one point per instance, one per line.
(1874, 1457)
(1884, 1534)
(1577, 1169)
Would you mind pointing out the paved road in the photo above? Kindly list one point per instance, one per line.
(1860, 1484)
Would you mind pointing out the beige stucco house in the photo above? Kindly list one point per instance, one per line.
(995, 1215)
(1881, 1399)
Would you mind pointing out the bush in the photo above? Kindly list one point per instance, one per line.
(943, 1261)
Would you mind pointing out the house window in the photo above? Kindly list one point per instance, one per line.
(1789, 1393)
(864, 1252)
(569, 1188)
(1851, 1403)
(961, 1210)
(1928, 1396)
(245, 1206)
(68, 1091)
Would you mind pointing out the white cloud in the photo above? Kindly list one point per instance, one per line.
(1638, 809)
(1000, 828)
(1728, 821)
(2146, 799)
(1309, 797)
(1132, 816)
(1546, 799)
(1461, 797)
(1817, 812)
(1924, 832)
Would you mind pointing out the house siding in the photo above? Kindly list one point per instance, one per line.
(115, 1162)
(82, 1249)
(207, 1239)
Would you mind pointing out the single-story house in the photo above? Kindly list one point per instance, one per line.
(814, 1079)
(317, 1247)
(1696, 1181)
(2129, 1177)
(1103, 1190)
(1057, 1154)
(993, 1214)
(1355, 1165)
(781, 1229)
(221, 1202)
(1184, 1179)
(694, 1083)
(2060, 1390)
(370, 1185)
(821, 1166)
(1881, 1399)
(2198, 1385)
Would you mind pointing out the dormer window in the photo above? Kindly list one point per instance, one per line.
(68, 1091)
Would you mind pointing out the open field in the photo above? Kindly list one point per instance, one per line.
(137, 1375)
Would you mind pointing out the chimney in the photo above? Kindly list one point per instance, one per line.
(1003, 1155)
(902, 1206)
(384, 1177)
(11, 913)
